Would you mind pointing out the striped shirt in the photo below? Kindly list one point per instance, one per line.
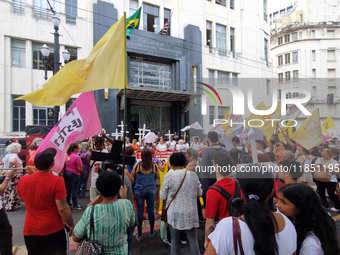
(110, 223)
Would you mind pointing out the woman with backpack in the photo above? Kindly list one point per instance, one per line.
(258, 231)
(316, 232)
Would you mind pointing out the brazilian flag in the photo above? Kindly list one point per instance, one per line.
(132, 22)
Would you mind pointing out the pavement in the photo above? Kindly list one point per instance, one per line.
(154, 246)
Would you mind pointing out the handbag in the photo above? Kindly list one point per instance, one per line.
(89, 246)
(237, 236)
(322, 175)
(164, 216)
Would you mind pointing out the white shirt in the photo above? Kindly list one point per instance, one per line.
(162, 147)
(266, 150)
(94, 170)
(182, 147)
(195, 146)
(223, 242)
(171, 145)
(335, 167)
(311, 245)
(9, 156)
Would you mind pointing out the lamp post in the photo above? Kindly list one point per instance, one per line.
(55, 64)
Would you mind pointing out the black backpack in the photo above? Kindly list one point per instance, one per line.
(235, 202)
(244, 156)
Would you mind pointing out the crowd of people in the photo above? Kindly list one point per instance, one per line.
(256, 212)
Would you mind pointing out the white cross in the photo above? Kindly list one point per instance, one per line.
(122, 129)
(169, 134)
(139, 135)
(143, 130)
(184, 135)
(116, 135)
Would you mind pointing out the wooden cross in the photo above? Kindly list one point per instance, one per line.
(143, 130)
(116, 135)
(169, 134)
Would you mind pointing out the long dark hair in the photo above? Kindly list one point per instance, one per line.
(259, 219)
(311, 217)
(72, 147)
(146, 156)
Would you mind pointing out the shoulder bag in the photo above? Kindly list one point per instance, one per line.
(237, 237)
(322, 175)
(164, 216)
(89, 246)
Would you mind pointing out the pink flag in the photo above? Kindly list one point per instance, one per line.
(79, 122)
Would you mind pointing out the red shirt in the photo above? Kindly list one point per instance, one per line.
(39, 192)
(216, 204)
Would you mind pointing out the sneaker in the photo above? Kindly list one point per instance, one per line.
(183, 242)
(167, 242)
(78, 208)
(333, 209)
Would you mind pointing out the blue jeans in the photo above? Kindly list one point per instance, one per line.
(149, 196)
(83, 182)
(72, 185)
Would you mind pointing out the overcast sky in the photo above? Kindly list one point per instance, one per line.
(277, 4)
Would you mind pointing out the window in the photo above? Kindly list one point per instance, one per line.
(221, 40)
(313, 34)
(287, 58)
(280, 77)
(331, 73)
(313, 55)
(330, 34)
(295, 56)
(208, 34)
(280, 60)
(268, 87)
(314, 73)
(288, 95)
(295, 74)
(18, 51)
(151, 18)
(294, 37)
(234, 79)
(73, 53)
(279, 93)
(19, 6)
(287, 38)
(314, 91)
(287, 75)
(232, 4)
(283, 12)
(295, 94)
(221, 2)
(265, 10)
(42, 9)
(43, 116)
(19, 115)
(71, 11)
(222, 77)
(167, 14)
(280, 40)
(149, 73)
(38, 62)
(222, 110)
(232, 39)
(69, 103)
(331, 55)
(211, 114)
(266, 49)
(275, 14)
(133, 7)
(211, 77)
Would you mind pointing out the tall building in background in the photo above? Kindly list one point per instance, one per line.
(221, 41)
(305, 51)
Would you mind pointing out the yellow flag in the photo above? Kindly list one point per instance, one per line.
(104, 68)
(268, 127)
(309, 134)
(285, 129)
(225, 126)
(328, 124)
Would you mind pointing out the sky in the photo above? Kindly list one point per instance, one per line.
(277, 4)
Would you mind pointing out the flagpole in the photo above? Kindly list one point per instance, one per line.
(125, 105)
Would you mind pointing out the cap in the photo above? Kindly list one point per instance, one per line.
(43, 160)
(8, 142)
(152, 151)
(15, 139)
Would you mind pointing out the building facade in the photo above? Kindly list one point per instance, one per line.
(305, 47)
(216, 42)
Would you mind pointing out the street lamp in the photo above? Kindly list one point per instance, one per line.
(55, 65)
